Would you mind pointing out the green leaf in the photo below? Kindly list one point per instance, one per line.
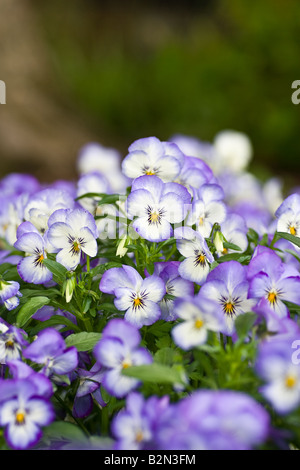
(29, 309)
(62, 430)
(231, 246)
(59, 271)
(244, 323)
(54, 321)
(84, 341)
(155, 373)
(241, 258)
(287, 236)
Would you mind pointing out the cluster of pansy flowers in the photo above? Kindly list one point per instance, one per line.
(177, 234)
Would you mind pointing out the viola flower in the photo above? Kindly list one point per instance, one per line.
(88, 390)
(20, 370)
(234, 150)
(193, 247)
(199, 315)
(49, 350)
(12, 342)
(94, 157)
(288, 216)
(135, 427)
(207, 209)
(9, 294)
(150, 156)
(194, 173)
(76, 234)
(234, 230)
(227, 285)
(43, 203)
(118, 349)
(23, 412)
(36, 247)
(175, 285)
(156, 205)
(216, 420)
(270, 278)
(137, 296)
(281, 376)
(93, 182)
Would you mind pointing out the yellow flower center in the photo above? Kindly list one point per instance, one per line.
(290, 381)
(272, 296)
(225, 251)
(137, 302)
(150, 173)
(201, 220)
(126, 364)
(154, 217)
(229, 307)
(20, 417)
(198, 324)
(293, 231)
(76, 247)
(201, 259)
(139, 436)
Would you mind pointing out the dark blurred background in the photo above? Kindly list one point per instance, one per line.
(114, 71)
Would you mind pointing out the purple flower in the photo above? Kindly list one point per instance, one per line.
(215, 420)
(135, 427)
(117, 350)
(150, 156)
(21, 370)
(175, 285)
(270, 278)
(137, 296)
(199, 315)
(279, 369)
(207, 208)
(195, 172)
(288, 215)
(12, 342)
(227, 285)
(88, 390)
(107, 161)
(49, 349)
(75, 234)
(234, 230)
(9, 294)
(93, 182)
(156, 205)
(42, 205)
(23, 412)
(193, 247)
(35, 246)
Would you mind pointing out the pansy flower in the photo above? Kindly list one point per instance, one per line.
(138, 297)
(288, 216)
(175, 286)
(192, 245)
(118, 349)
(155, 205)
(227, 285)
(23, 412)
(207, 209)
(198, 315)
(75, 234)
(150, 156)
(10, 294)
(12, 342)
(31, 268)
(271, 279)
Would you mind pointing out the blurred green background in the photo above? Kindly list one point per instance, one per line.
(126, 70)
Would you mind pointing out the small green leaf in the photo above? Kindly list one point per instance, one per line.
(155, 373)
(244, 323)
(59, 271)
(287, 236)
(83, 341)
(29, 309)
(54, 321)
